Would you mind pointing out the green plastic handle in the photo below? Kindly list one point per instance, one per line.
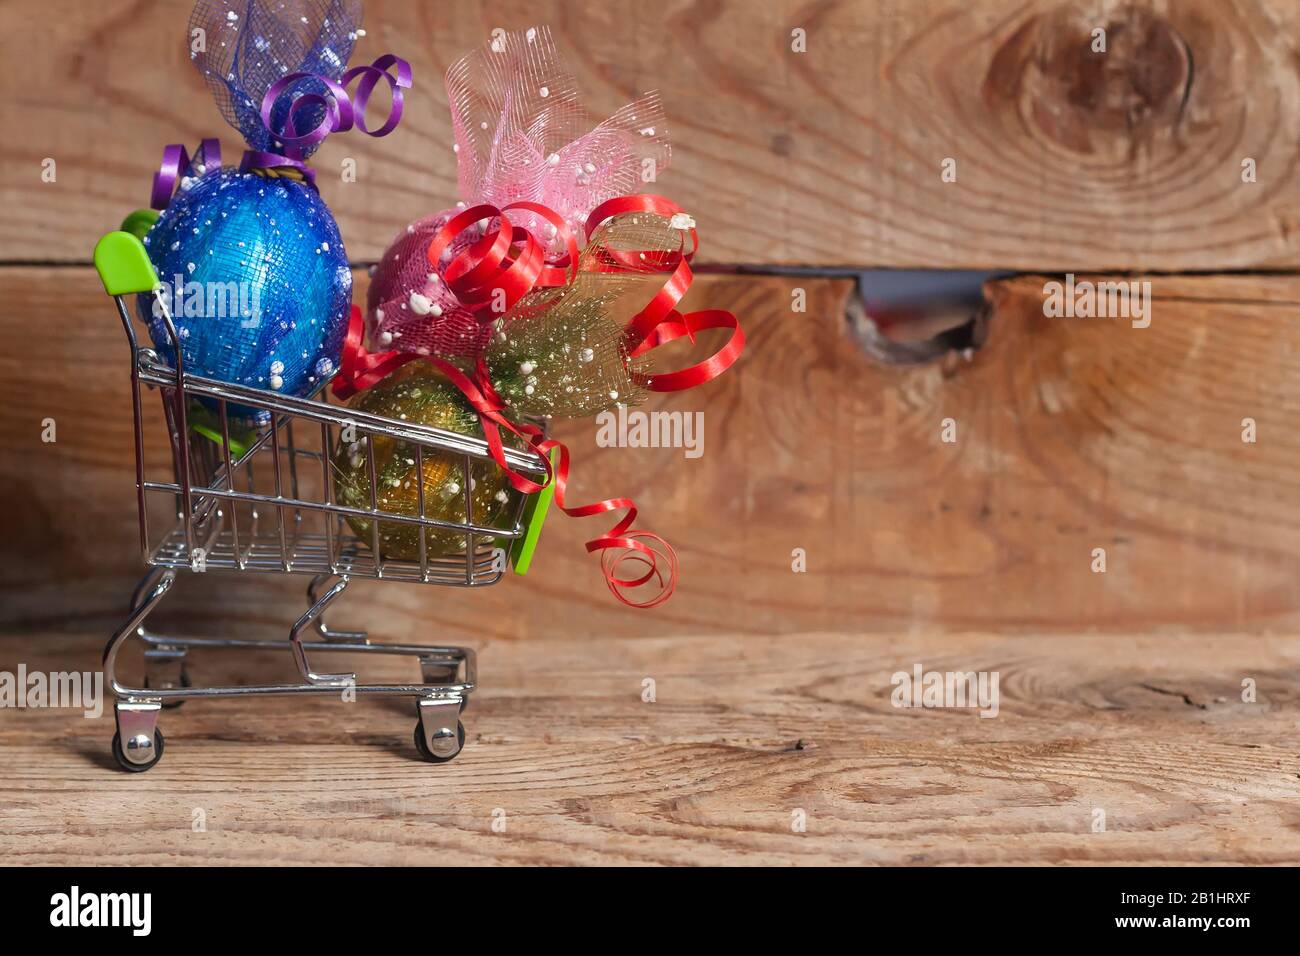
(123, 265)
(521, 555)
(204, 422)
(140, 222)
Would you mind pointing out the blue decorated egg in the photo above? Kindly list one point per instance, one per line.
(257, 280)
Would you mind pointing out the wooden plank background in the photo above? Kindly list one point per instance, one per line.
(1065, 159)
(1121, 690)
(1072, 434)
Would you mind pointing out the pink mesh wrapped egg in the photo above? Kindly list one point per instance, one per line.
(410, 308)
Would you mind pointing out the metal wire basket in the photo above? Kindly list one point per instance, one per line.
(265, 501)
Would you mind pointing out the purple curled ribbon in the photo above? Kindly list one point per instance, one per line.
(176, 162)
(342, 112)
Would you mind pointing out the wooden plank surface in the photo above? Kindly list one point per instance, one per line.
(1121, 691)
(1071, 435)
(1065, 158)
(746, 730)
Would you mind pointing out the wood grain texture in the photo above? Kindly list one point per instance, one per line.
(1072, 435)
(745, 730)
(1066, 158)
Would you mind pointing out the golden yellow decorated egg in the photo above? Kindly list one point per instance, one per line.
(418, 394)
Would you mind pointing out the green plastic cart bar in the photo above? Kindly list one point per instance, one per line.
(123, 265)
(139, 222)
(203, 422)
(521, 554)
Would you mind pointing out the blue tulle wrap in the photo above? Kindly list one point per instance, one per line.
(250, 44)
(257, 279)
(252, 264)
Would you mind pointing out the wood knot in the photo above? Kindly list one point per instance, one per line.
(1103, 85)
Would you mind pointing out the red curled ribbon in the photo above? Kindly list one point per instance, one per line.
(342, 112)
(489, 277)
(498, 270)
(360, 369)
(660, 322)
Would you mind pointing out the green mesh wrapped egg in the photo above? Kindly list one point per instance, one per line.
(418, 394)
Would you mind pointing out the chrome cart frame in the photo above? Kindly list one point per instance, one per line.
(267, 504)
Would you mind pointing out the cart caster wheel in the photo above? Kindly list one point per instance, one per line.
(126, 763)
(427, 754)
(173, 704)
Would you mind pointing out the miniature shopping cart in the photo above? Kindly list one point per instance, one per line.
(264, 501)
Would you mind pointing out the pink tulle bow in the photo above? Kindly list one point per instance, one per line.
(518, 126)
